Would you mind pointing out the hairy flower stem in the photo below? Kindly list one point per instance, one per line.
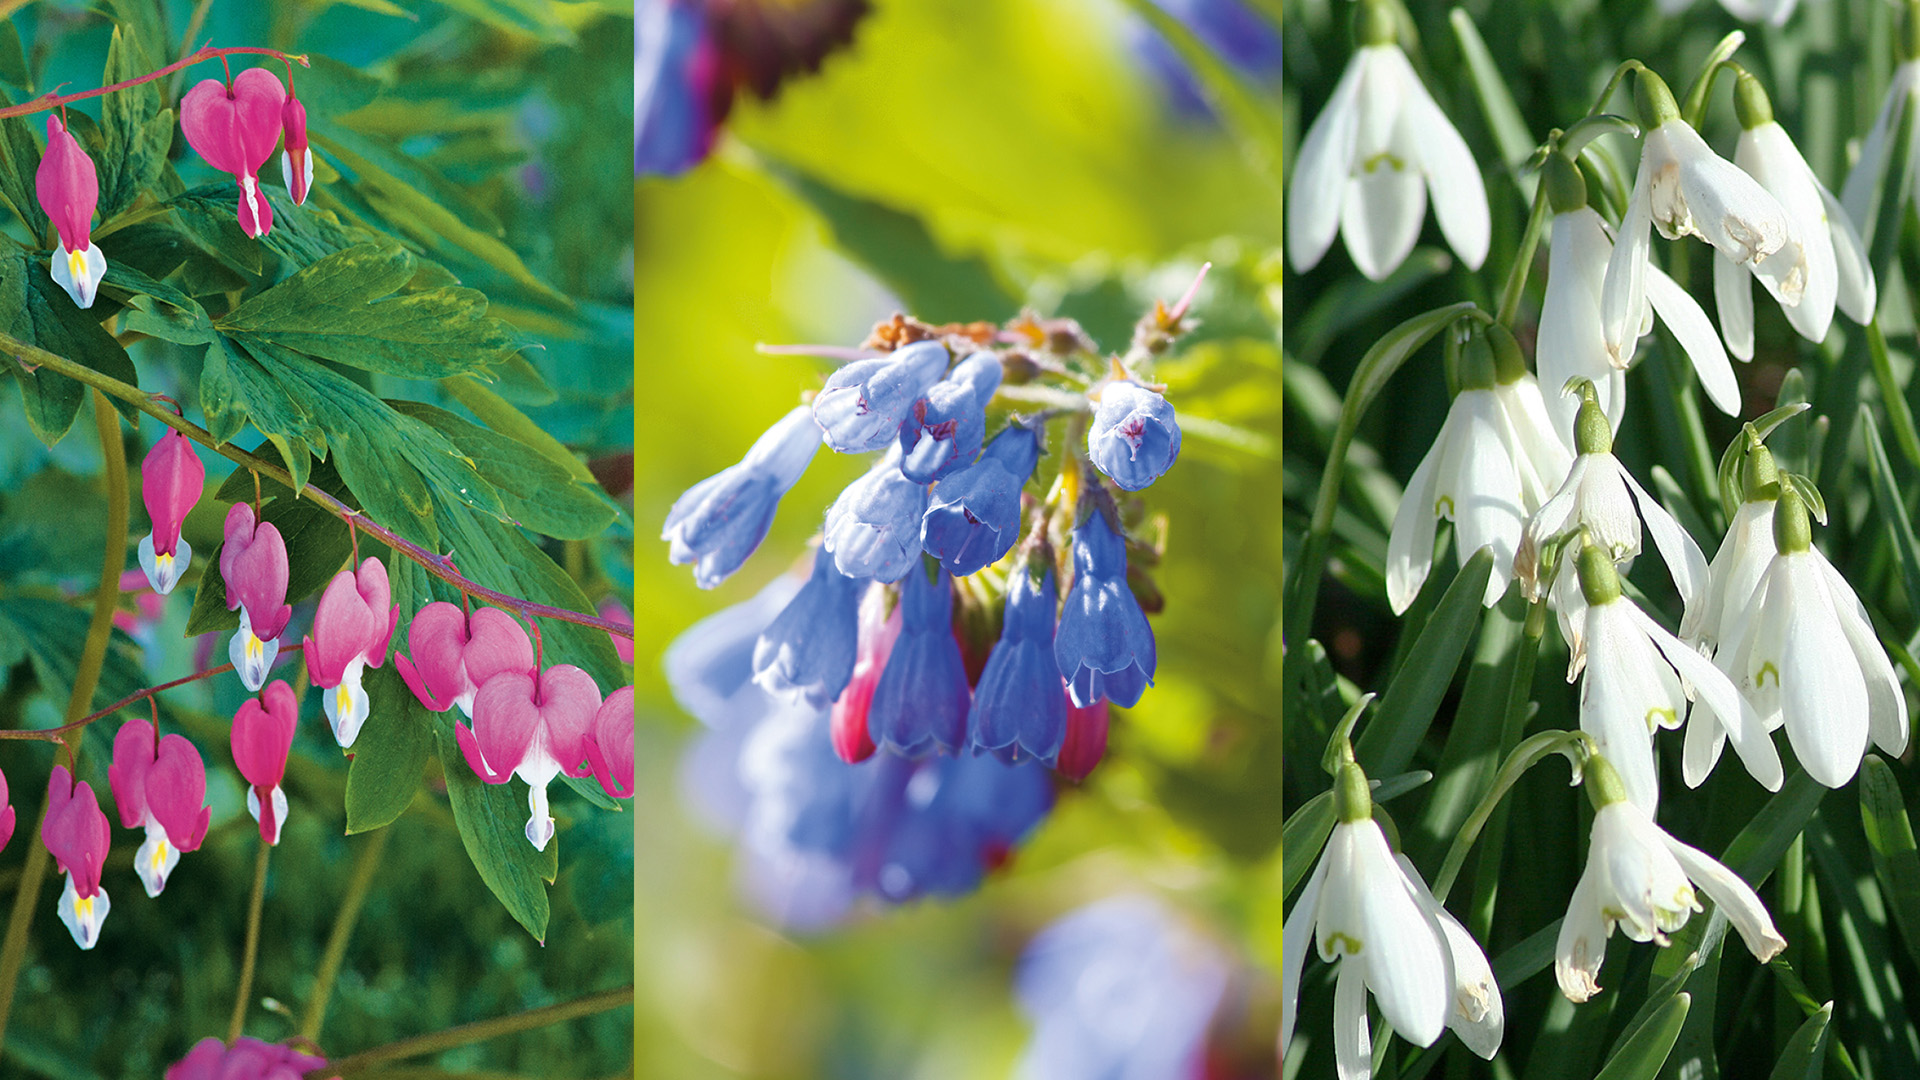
(54, 101)
(435, 564)
(359, 1064)
(364, 866)
(58, 734)
(113, 453)
(252, 950)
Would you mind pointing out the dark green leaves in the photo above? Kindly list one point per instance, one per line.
(492, 821)
(390, 753)
(35, 310)
(137, 131)
(535, 491)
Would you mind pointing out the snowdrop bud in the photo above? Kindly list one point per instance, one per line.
(1509, 364)
(1479, 370)
(1791, 532)
(1566, 188)
(1760, 477)
(1592, 433)
(1603, 783)
(1373, 24)
(1653, 100)
(1750, 102)
(1598, 581)
(1352, 799)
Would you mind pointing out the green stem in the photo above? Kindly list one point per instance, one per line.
(1523, 260)
(238, 1022)
(343, 922)
(1619, 73)
(113, 453)
(1899, 417)
(346, 1068)
(439, 566)
(1486, 876)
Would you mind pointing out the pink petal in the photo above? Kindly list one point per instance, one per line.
(1086, 741)
(127, 776)
(177, 792)
(417, 682)
(262, 736)
(613, 611)
(436, 637)
(611, 748)
(496, 643)
(505, 722)
(344, 627)
(171, 479)
(253, 562)
(235, 130)
(569, 698)
(76, 831)
(67, 186)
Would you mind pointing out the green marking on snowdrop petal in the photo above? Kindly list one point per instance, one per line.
(1658, 718)
(1343, 943)
(1443, 507)
(1760, 677)
(1385, 157)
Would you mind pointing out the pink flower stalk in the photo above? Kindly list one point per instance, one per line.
(535, 730)
(171, 479)
(162, 789)
(262, 735)
(253, 562)
(235, 129)
(69, 189)
(610, 744)
(1086, 741)
(6, 814)
(247, 1059)
(454, 654)
(615, 611)
(296, 157)
(847, 726)
(351, 630)
(76, 834)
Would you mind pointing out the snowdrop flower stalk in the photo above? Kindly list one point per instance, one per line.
(1836, 269)
(1573, 338)
(1805, 656)
(1369, 911)
(1684, 189)
(1642, 880)
(1639, 678)
(1495, 462)
(1371, 159)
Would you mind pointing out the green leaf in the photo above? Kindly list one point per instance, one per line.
(1896, 862)
(1306, 829)
(1530, 752)
(344, 308)
(1893, 508)
(390, 753)
(1509, 129)
(317, 547)
(137, 132)
(896, 248)
(19, 160)
(539, 18)
(1407, 708)
(497, 413)
(492, 819)
(1899, 417)
(39, 312)
(1756, 850)
(1640, 1057)
(534, 491)
(1806, 1052)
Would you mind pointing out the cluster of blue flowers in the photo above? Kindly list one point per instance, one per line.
(865, 740)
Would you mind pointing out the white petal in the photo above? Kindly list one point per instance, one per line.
(83, 917)
(1296, 937)
(1730, 210)
(1736, 570)
(1704, 740)
(1694, 331)
(156, 859)
(1410, 541)
(1623, 292)
(1733, 302)
(1623, 698)
(1686, 563)
(1542, 454)
(1386, 203)
(1712, 687)
(1734, 896)
(1862, 190)
(1823, 695)
(1607, 510)
(1572, 339)
(1320, 170)
(1478, 1015)
(1769, 156)
(1582, 945)
(1352, 1043)
(1557, 514)
(1859, 296)
(1453, 176)
(1487, 507)
(1407, 965)
(1886, 702)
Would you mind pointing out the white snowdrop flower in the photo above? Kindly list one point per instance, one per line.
(1803, 653)
(1684, 189)
(1369, 911)
(1573, 339)
(1638, 678)
(1642, 880)
(1864, 188)
(1371, 158)
(1775, 12)
(1494, 463)
(1836, 260)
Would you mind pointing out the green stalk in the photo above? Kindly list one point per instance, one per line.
(1892, 398)
(252, 952)
(1486, 876)
(359, 1064)
(113, 453)
(1523, 260)
(343, 922)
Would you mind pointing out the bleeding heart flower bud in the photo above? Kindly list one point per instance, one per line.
(296, 158)
(455, 653)
(171, 479)
(254, 564)
(533, 729)
(247, 1059)
(6, 814)
(76, 834)
(351, 630)
(610, 747)
(68, 189)
(262, 735)
(162, 789)
(235, 129)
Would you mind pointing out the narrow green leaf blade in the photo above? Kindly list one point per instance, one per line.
(1407, 708)
(1806, 1052)
(1896, 861)
(1641, 1057)
(1509, 129)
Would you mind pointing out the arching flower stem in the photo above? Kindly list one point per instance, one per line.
(55, 101)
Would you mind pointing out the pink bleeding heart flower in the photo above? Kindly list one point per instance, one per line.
(610, 744)
(76, 834)
(351, 630)
(614, 611)
(296, 157)
(253, 562)
(455, 653)
(1086, 741)
(235, 129)
(6, 813)
(262, 735)
(162, 789)
(171, 479)
(69, 189)
(535, 730)
(247, 1059)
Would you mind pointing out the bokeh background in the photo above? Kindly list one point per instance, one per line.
(960, 159)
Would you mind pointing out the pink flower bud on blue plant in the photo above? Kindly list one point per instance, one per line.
(973, 517)
(920, 703)
(1019, 711)
(351, 630)
(68, 189)
(944, 430)
(77, 836)
(235, 129)
(171, 479)
(806, 655)
(1134, 437)
(847, 723)
(253, 563)
(455, 653)
(722, 519)
(162, 789)
(873, 528)
(1104, 645)
(262, 735)
(865, 402)
(533, 728)
(1086, 741)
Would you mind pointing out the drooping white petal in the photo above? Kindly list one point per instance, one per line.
(1750, 655)
(1558, 514)
(1642, 881)
(79, 272)
(1863, 189)
(1410, 540)
(1858, 294)
(1541, 453)
(1569, 605)
(1823, 695)
(1607, 509)
(156, 858)
(1386, 204)
(1623, 291)
(1572, 341)
(1695, 333)
(346, 704)
(1487, 507)
(1886, 702)
(1705, 738)
(1407, 964)
(1478, 1015)
(1352, 1042)
(1296, 937)
(1453, 176)
(1625, 696)
(1317, 194)
(83, 916)
(1685, 562)
(1712, 688)
(1582, 944)
(1733, 302)
(1725, 207)
(1737, 568)
(1734, 896)
(1769, 156)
